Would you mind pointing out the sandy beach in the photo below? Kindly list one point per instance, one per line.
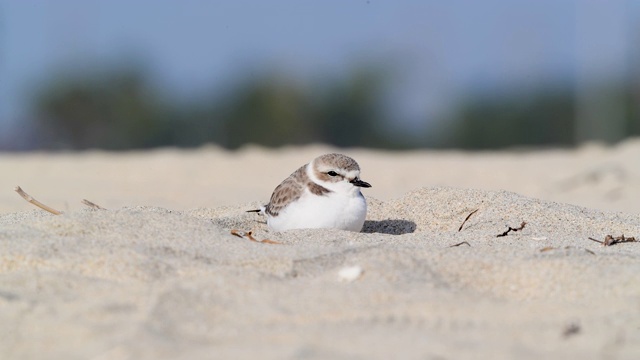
(158, 275)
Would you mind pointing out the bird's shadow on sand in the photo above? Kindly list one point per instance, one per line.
(392, 227)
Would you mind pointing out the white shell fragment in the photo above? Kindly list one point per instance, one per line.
(350, 273)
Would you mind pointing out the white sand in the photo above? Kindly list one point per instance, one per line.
(150, 283)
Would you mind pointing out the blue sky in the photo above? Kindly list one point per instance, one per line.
(440, 49)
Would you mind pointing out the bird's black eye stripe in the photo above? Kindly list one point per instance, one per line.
(332, 173)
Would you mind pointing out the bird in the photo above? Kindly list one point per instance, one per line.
(324, 193)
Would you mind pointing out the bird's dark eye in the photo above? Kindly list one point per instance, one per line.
(332, 173)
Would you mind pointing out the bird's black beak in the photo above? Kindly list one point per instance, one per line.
(360, 183)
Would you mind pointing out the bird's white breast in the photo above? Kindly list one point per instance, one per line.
(346, 211)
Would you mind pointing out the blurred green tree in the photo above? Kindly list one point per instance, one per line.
(273, 110)
(349, 110)
(120, 110)
(546, 116)
(113, 111)
(543, 118)
(269, 111)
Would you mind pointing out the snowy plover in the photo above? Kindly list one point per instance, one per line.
(324, 193)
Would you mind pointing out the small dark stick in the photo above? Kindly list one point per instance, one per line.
(467, 218)
(462, 243)
(92, 205)
(596, 240)
(610, 240)
(510, 229)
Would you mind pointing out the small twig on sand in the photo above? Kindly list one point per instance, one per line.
(510, 229)
(610, 240)
(596, 240)
(467, 218)
(549, 248)
(462, 243)
(249, 235)
(92, 205)
(571, 329)
(35, 202)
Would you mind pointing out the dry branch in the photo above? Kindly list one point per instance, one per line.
(249, 235)
(92, 205)
(510, 229)
(549, 248)
(35, 202)
(467, 218)
(458, 244)
(610, 240)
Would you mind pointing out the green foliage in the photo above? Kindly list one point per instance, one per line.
(116, 111)
(267, 111)
(543, 118)
(120, 110)
(349, 115)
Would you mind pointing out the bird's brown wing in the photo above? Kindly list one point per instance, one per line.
(289, 190)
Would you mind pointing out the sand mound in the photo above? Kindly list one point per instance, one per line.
(146, 282)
